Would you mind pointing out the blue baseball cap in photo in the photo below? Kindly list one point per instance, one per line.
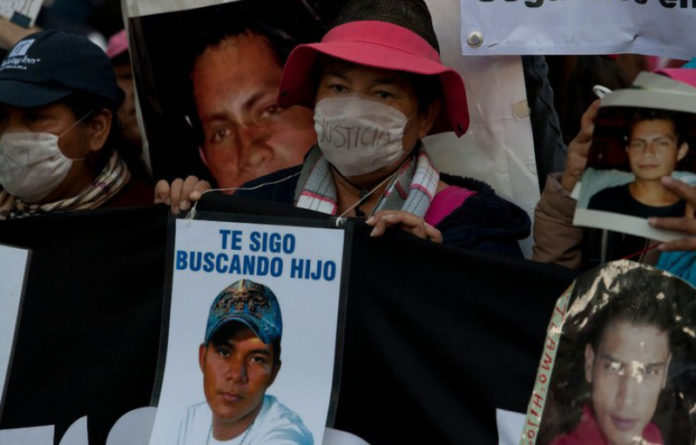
(48, 66)
(250, 303)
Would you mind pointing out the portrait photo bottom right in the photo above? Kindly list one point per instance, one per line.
(624, 369)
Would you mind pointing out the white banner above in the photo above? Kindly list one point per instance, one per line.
(21, 12)
(652, 27)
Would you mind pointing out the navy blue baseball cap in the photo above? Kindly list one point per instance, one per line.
(250, 303)
(50, 65)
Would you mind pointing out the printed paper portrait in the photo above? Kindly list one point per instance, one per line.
(207, 80)
(637, 140)
(252, 336)
(618, 363)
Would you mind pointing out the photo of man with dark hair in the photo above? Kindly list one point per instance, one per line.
(209, 90)
(621, 374)
(655, 144)
(242, 132)
(626, 363)
(240, 359)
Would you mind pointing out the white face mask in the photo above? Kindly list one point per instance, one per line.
(31, 163)
(358, 135)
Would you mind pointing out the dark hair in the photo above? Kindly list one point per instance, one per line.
(85, 104)
(427, 88)
(677, 119)
(229, 329)
(122, 58)
(638, 299)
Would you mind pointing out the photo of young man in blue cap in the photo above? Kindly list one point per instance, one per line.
(240, 358)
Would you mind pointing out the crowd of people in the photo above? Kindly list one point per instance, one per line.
(373, 87)
(337, 129)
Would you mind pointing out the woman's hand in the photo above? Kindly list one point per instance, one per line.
(579, 147)
(408, 222)
(684, 224)
(180, 193)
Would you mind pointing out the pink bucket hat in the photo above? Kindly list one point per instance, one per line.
(118, 44)
(378, 44)
(685, 75)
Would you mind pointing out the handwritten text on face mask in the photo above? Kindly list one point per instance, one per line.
(354, 137)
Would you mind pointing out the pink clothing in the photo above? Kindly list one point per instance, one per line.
(588, 432)
(118, 44)
(445, 202)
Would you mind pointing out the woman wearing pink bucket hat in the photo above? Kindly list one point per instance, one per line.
(377, 87)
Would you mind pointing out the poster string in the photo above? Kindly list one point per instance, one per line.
(340, 219)
(192, 213)
(640, 252)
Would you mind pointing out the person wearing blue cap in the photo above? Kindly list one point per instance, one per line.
(58, 129)
(240, 358)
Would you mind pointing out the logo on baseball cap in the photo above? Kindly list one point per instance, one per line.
(250, 303)
(50, 65)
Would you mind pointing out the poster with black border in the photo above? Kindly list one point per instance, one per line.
(12, 279)
(254, 331)
(618, 361)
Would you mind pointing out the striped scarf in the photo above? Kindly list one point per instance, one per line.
(110, 181)
(412, 188)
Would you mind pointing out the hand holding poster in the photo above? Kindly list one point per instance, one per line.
(241, 294)
(655, 27)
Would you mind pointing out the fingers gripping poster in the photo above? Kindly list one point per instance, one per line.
(252, 337)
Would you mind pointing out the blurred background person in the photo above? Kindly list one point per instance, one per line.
(59, 135)
(131, 150)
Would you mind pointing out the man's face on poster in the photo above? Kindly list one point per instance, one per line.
(654, 149)
(236, 374)
(626, 373)
(246, 134)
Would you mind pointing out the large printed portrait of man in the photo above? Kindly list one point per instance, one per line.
(624, 371)
(208, 81)
(239, 359)
(251, 352)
